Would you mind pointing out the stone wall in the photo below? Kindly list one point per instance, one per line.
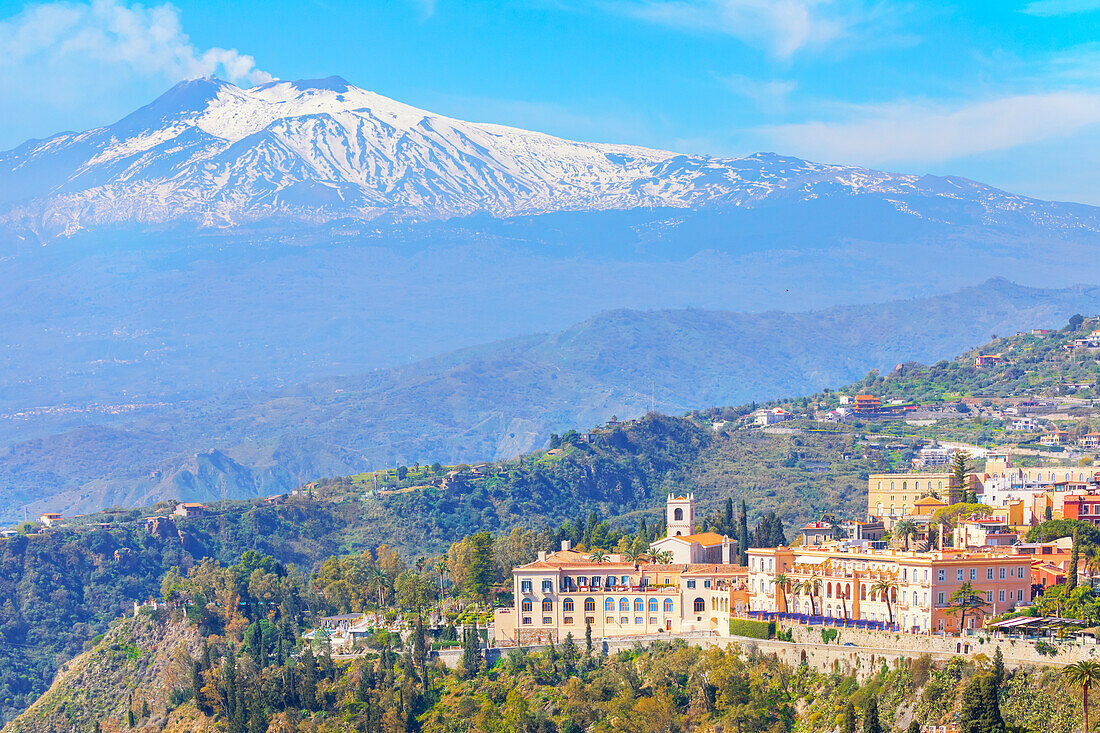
(854, 651)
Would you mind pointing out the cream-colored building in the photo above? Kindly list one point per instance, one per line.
(567, 591)
(685, 544)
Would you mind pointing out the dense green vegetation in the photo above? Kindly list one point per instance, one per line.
(63, 585)
(208, 666)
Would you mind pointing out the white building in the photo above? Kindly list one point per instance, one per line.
(688, 546)
(765, 418)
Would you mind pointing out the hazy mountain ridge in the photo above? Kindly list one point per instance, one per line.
(210, 154)
(502, 399)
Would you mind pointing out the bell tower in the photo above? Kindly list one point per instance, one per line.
(680, 515)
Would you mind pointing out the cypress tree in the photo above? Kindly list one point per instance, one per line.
(588, 638)
(970, 713)
(998, 667)
(727, 518)
(307, 686)
(1071, 571)
(870, 717)
(569, 655)
(229, 679)
(991, 719)
(420, 652)
(743, 533)
(849, 718)
(196, 687)
(471, 652)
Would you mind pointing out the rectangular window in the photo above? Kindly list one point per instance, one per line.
(569, 620)
(939, 599)
(525, 586)
(638, 620)
(973, 573)
(624, 621)
(924, 598)
(652, 619)
(589, 620)
(691, 584)
(526, 620)
(989, 573)
(942, 574)
(1001, 575)
(1001, 596)
(546, 620)
(547, 586)
(989, 595)
(1020, 595)
(926, 575)
(610, 619)
(706, 583)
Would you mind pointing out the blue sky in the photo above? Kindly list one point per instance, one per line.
(1003, 92)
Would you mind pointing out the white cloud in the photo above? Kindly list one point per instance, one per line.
(141, 40)
(75, 65)
(907, 132)
(769, 94)
(784, 27)
(1051, 8)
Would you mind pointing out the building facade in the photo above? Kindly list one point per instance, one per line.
(842, 582)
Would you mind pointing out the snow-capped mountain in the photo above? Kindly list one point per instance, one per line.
(212, 154)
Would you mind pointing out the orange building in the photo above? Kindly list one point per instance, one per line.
(867, 403)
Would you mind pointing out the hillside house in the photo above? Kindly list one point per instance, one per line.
(49, 518)
(1090, 441)
(816, 533)
(1054, 437)
(189, 509)
(866, 403)
(772, 416)
(1023, 424)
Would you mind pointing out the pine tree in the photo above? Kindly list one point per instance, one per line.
(145, 709)
(870, 717)
(849, 718)
(196, 687)
(229, 682)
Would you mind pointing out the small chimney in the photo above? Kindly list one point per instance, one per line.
(542, 555)
(566, 545)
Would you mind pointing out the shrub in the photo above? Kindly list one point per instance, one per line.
(752, 629)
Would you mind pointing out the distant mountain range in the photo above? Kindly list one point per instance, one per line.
(503, 398)
(210, 154)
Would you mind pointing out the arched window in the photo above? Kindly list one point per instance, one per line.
(678, 514)
(639, 604)
(609, 604)
(653, 605)
(567, 606)
(547, 605)
(589, 605)
(903, 486)
(700, 605)
(526, 606)
(624, 605)
(668, 605)
(862, 592)
(828, 590)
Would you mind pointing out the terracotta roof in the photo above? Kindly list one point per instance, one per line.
(929, 501)
(703, 538)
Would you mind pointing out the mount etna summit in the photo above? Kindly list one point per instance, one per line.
(211, 154)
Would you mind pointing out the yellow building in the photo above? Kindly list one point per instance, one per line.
(891, 496)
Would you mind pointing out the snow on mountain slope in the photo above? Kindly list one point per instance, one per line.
(212, 154)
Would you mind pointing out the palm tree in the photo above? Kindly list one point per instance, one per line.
(884, 586)
(813, 586)
(1083, 674)
(378, 580)
(664, 557)
(780, 582)
(598, 556)
(634, 556)
(905, 529)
